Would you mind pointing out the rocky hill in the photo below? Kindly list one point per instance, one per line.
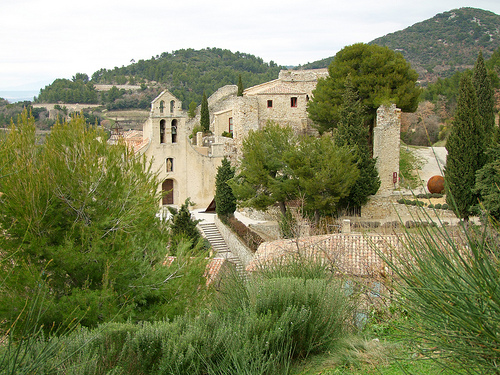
(443, 44)
(447, 42)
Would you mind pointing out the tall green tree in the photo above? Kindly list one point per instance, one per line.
(378, 74)
(488, 184)
(485, 100)
(465, 151)
(325, 174)
(240, 86)
(78, 214)
(264, 177)
(352, 131)
(205, 115)
(225, 201)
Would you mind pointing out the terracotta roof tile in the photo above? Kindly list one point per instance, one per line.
(350, 253)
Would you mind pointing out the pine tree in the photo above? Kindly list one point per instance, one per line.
(485, 101)
(465, 150)
(240, 86)
(378, 74)
(83, 212)
(353, 132)
(205, 115)
(225, 201)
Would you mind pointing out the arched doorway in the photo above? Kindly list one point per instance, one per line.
(167, 188)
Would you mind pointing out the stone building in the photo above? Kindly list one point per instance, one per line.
(187, 162)
(282, 100)
(186, 167)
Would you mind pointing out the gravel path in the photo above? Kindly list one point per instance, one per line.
(433, 162)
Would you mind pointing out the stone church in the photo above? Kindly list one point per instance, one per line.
(187, 162)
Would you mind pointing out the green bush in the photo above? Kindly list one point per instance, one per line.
(254, 327)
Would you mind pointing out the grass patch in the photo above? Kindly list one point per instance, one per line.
(409, 163)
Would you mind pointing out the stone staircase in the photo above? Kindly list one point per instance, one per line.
(212, 234)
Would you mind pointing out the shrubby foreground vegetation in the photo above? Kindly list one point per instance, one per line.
(255, 327)
(78, 216)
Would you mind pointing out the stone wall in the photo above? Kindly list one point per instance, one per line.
(309, 75)
(282, 111)
(236, 246)
(386, 209)
(386, 143)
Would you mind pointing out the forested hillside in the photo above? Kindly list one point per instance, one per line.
(447, 42)
(186, 73)
(443, 44)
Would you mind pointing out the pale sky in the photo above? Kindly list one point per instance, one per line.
(45, 40)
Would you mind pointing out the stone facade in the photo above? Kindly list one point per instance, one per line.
(185, 170)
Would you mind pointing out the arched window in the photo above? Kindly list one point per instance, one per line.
(162, 131)
(174, 131)
(162, 105)
(172, 103)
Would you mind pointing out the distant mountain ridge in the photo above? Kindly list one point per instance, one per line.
(435, 48)
(447, 42)
(443, 44)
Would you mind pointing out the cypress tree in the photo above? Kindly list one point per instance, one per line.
(485, 101)
(465, 150)
(352, 131)
(240, 86)
(225, 201)
(205, 115)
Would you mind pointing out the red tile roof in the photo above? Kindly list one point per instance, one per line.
(350, 253)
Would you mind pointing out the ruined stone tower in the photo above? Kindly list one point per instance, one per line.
(386, 143)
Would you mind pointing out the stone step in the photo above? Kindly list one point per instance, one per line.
(212, 234)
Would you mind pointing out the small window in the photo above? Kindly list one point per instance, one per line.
(231, 125)
(269, 104)
(293, 102)
(169, 165)
(172, 104)
(162, 105)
